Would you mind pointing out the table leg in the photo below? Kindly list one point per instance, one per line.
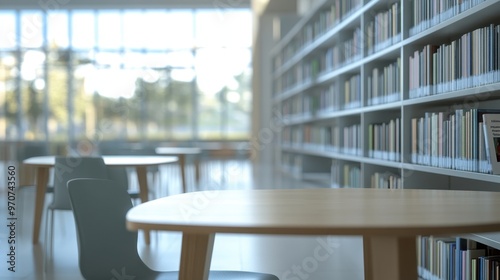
(182, 166)
(390, 258)
(197, 169)
(42, 176)
(142, 177)
(196, 256)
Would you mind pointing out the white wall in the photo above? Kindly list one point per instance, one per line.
(266, 126)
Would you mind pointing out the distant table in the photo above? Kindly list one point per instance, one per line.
(181, 152)
(44, 163)
(388, 220)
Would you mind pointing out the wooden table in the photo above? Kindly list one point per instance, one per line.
(181, 153)
(388, 220)
(44, 163)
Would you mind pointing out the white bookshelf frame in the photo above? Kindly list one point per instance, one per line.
(485, 96)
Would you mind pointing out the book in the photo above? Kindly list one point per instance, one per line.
(491, 123)
(487, 267)
(467, 251)
(477, 145)
(471, 256)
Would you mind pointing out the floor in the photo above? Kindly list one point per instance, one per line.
(288, 257)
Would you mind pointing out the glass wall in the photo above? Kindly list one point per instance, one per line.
(125, 74)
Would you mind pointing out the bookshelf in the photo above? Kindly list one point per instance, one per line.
(389, 94)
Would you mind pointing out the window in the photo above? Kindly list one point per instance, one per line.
(125, 74)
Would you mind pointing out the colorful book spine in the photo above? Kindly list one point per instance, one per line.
(430, 13)
(384, 84)
(470, 61)
(384, 29)
(453, 140)
(384, 140)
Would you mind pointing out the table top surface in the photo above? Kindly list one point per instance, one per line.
(114, 160)
(322, 211)
(178, 150)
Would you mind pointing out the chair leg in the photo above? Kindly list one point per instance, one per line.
(20, 206)
(49, 239)
(52, 234)
(46, 243)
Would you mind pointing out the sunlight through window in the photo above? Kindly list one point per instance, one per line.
(154, 74)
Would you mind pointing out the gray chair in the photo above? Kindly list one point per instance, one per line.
(65, 169)
(106, 248)
(68, 168)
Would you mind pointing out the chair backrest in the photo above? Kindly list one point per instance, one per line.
(105, 246)
(67, 168)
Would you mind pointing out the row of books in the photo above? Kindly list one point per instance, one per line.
(384, 30)
(325, 100)
(457, 139)
(291, 136)
(425, 15)
(338, 95)
(342, 53)
(352, 92)
(486, 267)
(320, 102)
(308, 70)
(346, 175)
(296, 107)
(384, 85)
(352, 140)
(319, 25)
(443, 258)
(430, 13)
(470, 61)
(328, 99)
(385, 180)
(322, 137)
(454, 140)
(288, 52)
(291, 163)
(384, 140)
(331, 138)
(326, 19)
(301, 73)
(343, 174)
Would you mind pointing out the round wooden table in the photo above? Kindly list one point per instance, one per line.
(181, 153)
(44, 163)
(388, 220)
